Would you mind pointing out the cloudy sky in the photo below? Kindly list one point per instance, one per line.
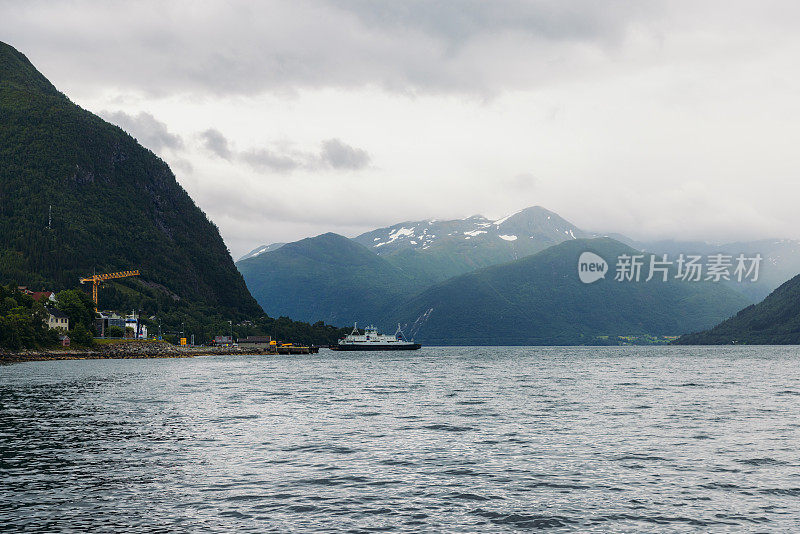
(285, 119)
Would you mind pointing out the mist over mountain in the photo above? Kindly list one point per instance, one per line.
(780, 260)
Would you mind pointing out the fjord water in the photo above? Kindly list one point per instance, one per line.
(443, 439)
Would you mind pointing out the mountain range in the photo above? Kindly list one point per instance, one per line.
(420, 258)
(434, 250)
(431, 251)
(341, 281)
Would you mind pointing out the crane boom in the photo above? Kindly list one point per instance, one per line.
(97, 279)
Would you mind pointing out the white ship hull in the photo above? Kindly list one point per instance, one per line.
(372, 340)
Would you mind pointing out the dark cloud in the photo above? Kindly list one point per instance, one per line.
(334, 154)
(216, 143)
(241, 47)
(148, 130)
(266, 159)
(343, 156)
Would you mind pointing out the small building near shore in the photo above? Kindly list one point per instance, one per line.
(64, 340)
(106, 319)
(223, 341)
(57, 319)
(254, 342)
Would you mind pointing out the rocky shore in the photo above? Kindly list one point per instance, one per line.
(130, 349)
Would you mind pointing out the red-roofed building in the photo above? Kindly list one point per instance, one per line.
(39, 296)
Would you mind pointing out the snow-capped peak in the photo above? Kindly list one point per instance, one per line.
(498, 222)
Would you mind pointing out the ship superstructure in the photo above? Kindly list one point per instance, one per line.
(372, 340)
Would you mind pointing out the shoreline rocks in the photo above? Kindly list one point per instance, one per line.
(126, 350)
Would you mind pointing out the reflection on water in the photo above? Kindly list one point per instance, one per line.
(444, 439)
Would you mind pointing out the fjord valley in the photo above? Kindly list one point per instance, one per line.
(80, 196)
(406, 266)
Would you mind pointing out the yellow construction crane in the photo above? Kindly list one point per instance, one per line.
(97, 279)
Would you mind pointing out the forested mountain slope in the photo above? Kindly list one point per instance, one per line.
(774, 321)
(115, 206)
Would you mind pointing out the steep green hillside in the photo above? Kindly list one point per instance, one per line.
(540, 300)
(115, 205)
(328, 277)
(774, 321)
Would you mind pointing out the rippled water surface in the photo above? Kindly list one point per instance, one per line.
(442, 439)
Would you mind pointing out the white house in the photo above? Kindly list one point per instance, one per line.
(57, 319)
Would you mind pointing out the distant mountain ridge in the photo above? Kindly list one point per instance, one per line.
(261, 250)
(328, 277)
(435, 250)
(340, 281)
(539, 300)
(513, 231)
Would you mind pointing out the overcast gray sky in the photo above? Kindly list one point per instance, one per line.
(285, 119)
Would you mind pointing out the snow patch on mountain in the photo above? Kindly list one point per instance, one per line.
(507, 237)
(473, 233)
(261, 250)
(535, 226)
(397, 234)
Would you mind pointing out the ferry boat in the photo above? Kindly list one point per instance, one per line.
(372, 340)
